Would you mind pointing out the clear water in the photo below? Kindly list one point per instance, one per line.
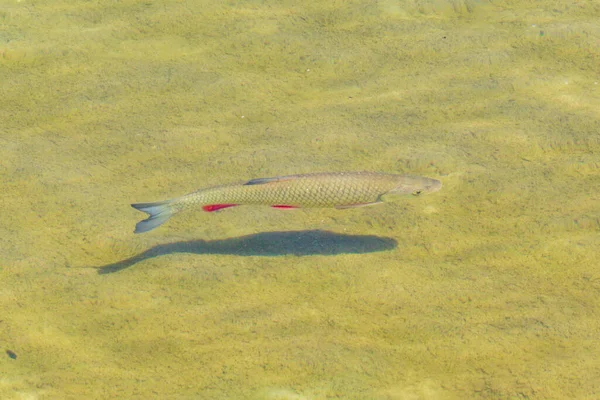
(486, 289)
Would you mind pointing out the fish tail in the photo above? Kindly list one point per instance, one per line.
(159, 213)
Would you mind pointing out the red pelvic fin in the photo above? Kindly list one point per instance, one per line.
(283, 207)
(216, 207)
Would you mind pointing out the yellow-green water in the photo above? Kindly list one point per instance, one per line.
(488, 289)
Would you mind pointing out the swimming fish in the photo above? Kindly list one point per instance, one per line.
(328, 189)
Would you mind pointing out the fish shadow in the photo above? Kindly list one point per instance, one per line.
(267, 244)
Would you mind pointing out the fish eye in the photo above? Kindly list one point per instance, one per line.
(417, 192)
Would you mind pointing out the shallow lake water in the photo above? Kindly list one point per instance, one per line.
(487, 289)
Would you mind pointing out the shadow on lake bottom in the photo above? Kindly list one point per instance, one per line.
(268, 244)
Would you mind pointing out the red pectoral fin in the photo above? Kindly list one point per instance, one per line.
(216, 207)
(283, 207)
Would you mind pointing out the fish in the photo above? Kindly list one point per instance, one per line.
(326, 189)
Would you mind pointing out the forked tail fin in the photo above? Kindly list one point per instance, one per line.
(159, 213)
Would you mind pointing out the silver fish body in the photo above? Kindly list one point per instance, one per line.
(333, 189)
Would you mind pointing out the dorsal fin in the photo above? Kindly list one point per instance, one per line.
(262, 181)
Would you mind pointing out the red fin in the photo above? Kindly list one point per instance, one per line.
(216, 207)
(283, 207)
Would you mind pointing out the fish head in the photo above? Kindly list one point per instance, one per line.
(415, 185)
(428, 185)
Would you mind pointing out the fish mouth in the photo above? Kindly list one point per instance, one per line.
(433, 186)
